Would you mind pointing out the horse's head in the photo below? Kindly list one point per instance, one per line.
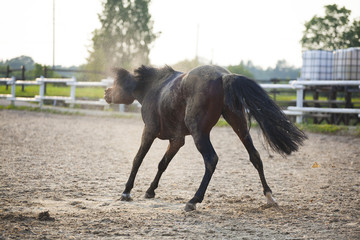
(122, 89)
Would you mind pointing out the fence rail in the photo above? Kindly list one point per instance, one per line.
(300, 85)
(41, 97)
(296, 85)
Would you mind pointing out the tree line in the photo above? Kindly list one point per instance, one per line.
(126, 36)
(33, 70)
(15, 66)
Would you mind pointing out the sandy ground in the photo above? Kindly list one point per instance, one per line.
(61, 177)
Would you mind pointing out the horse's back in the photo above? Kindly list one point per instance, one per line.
(203, 75)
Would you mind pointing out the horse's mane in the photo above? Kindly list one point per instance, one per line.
(150, 74)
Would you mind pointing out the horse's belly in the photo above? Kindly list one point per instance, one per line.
(172, 124)
(169, 131)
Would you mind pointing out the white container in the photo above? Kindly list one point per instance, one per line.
(346, 64)
(317, 65)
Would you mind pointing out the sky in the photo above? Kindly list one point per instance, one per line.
(224, 32)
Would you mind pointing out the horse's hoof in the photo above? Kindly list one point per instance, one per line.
(149, 194)
(270, 200)
(126, 197)
(190, 207)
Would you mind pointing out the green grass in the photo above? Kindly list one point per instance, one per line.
(322, 128)
(53, 90)
(289, 97)
(222, 123)
(30, 91)
(331, 129)
(90, 92)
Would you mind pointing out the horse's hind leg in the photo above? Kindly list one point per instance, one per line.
(173, 148)
(239, 124)
(203, 144)
(201, 138)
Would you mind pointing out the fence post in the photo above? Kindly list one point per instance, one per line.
(41, 93)
(45, 75)
(73, 91)
(274, 91)
(122, 108)
(13, 85)
(299, 102)
(23, 77)
(7, 75)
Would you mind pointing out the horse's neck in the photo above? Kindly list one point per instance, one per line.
(141, 91)
(152, 87)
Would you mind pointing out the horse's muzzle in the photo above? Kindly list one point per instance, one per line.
(108, 95)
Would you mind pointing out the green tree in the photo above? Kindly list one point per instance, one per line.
(38, 71)
(240, 69)
(17, 62)
(333, 31)
(2, 70)
(352, 37)
(125, 36)
(283, 70)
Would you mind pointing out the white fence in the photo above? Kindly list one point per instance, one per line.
(296, 85)
(300, 85)
(68, 81)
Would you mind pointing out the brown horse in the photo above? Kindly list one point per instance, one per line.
(176, 104)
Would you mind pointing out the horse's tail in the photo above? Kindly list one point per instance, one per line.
(241, 92)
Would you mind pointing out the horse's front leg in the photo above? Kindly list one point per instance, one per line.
(147, 139)
(173, 148)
